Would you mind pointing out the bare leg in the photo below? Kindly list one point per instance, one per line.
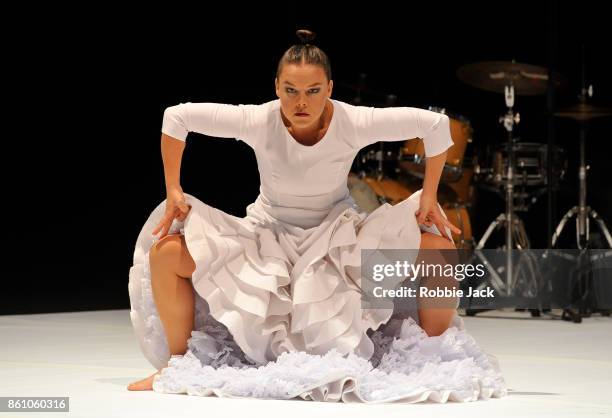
(436, 320)
(171, 267)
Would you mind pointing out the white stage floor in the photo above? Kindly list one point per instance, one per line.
(553, 368)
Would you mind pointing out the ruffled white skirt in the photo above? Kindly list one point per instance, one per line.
(278, 313)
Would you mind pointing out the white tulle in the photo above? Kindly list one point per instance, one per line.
(412, 368)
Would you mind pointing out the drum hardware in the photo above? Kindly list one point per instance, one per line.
(583, 113)
(523, 199)
(512, 79)
(530, 164)
(515, 228)
(525, 281)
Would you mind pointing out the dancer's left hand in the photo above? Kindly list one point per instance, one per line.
(429, 213)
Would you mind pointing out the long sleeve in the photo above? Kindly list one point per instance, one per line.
(402, 123)
(212, 119)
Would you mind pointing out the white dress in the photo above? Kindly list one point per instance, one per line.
(278, 310)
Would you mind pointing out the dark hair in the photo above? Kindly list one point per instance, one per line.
(305, 53)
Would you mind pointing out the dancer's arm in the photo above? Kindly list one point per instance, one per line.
(176, 204)
(212, 119)
(172, 154)
(402, 123)
(433, 171)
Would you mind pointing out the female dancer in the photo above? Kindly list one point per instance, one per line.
(285, 278)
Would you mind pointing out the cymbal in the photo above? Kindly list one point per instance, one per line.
(583, 112)
(527, 79)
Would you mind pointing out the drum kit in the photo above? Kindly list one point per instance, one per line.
(518, 171)
(373, 183)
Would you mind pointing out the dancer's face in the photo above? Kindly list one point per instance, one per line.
(303, 88)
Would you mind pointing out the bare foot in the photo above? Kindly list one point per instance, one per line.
(144, 384)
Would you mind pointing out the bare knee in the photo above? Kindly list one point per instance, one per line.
(166, 248)
(171, 252)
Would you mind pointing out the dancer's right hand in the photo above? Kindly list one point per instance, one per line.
(176, 207)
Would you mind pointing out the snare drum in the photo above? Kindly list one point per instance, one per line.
(412, 154)
(530, 159)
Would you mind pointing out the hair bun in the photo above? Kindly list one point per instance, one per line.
(306, 36)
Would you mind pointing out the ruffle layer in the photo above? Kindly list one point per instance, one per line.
(410, 367)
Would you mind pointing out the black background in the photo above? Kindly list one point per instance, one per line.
(86, 89)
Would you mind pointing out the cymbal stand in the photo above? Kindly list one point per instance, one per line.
(582, 211)
(513, 225)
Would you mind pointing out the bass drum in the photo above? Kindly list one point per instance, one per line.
(370, 193)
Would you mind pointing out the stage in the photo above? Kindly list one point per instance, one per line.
(552, 367)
